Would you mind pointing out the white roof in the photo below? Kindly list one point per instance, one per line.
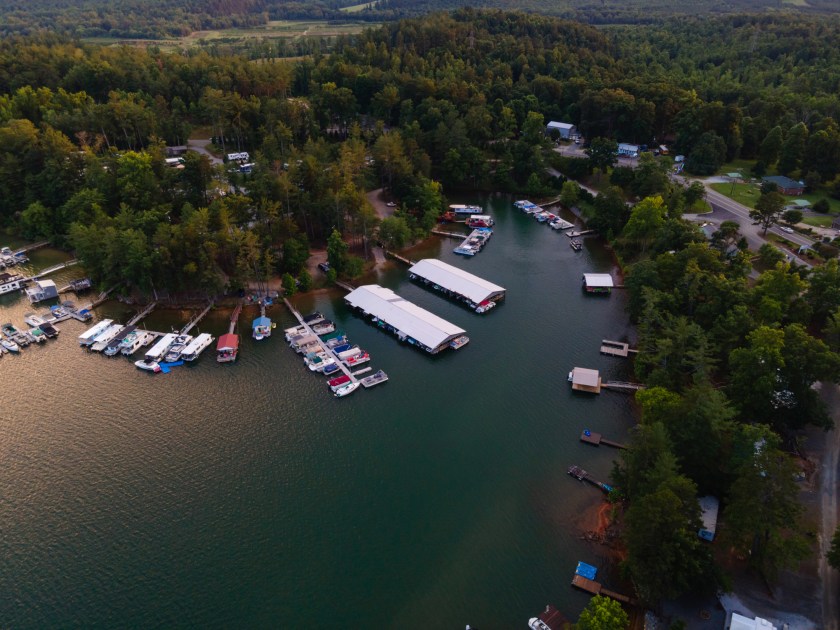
(627, 146)
(45, 283)
(598, 279)
(739, 622)
(470, 286)
(559, 125)
(196, 343)
(161, 346)
(415, 322)
(585, 376)
(94, 330)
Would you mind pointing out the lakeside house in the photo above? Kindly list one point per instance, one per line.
(628, 150)
(566, 130)
(787, 186)
(709, 508)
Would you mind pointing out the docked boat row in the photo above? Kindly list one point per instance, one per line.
(543, 216)
(12, 340)
(8, 258)
(475, 242)
(11, 282)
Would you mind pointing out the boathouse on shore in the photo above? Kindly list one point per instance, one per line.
(406, 320)
(457, 283)
(597, 282)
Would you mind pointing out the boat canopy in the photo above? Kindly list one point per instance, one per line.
(457, 280)
(228, 341)
(261, 322)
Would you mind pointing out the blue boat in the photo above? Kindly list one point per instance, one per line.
(262, 328)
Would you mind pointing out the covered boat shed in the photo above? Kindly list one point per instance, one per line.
(408, 321)
(597, 282)
(456, 282)
(585, 380)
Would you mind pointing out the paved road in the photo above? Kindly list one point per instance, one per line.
(199, 145)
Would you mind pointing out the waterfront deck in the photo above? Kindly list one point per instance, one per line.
(585, 380)
(596, 439)
(616, 348)
(581, 475)
(623, 386)
(595, 588)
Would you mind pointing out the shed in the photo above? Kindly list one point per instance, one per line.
(456, 282)
(709, 507)
(800, 204)
(628, 150)
(597, 282)
(408, 321)
(787, 186)
(585, 380)
(227, 342)
(566, 130)
(43, 290)
(739, 622)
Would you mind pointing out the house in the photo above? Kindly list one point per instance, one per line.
(787, 186)
(628, 150)
(709, 507)
(566, 130)
(43, 290)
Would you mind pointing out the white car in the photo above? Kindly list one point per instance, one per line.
(787, 229)
(391, 204)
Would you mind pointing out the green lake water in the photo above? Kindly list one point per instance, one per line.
(245, 495)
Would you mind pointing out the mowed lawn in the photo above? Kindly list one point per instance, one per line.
(746, 194)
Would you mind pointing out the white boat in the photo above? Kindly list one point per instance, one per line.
(37, 335)
(9, 345)
(323, 328)
(459, 208)
(89, 336)
(160, 348)
(346, 354)
(149, 366)
(105, 338)
(374, 379)
(358, 359)
(31, 319)
(319, 362)
(134, 341)
(294, 331)
(197, 346)
(10, 282)
(178, 346)
(346, 390)
(460, 342)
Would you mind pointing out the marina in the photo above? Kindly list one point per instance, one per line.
(479, 294)
(410, 323)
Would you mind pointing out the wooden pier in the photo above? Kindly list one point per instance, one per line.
(596, 439)
(136, 319)
(575, 233)
(581, 475)
(197, 318)
(616, 348)
(345, 285)
(234, 317)
(29, 248)
(335, 357)
(623, 386)
(595, 588)
(450, 234)
(52, 269)
(398, 257)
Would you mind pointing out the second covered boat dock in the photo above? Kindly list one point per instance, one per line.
(477, 293)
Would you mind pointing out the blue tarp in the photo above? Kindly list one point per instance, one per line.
(164, 367)
(586, 570)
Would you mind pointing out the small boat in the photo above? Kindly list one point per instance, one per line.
(459, 342)
(37, 335)
(9, 330)
(484, 306)
(227, 348)
(177, 347)
(480, 220)
(576, 244)
(330, 369)
(49, 330)
(319, 362)
(374, 379)
(313, 318)
(80, 285)
(149, 366)
(346, 390)
(294, 332)
(338, 382)
(336, 341)
(323, 328)
(31, 319)
(350, 352)
(358, 359)
(59, 311)
(261, 328)
(9, 345)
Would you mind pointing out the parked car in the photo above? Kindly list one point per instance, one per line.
(324, 266)
(391, 204)
(787, 229)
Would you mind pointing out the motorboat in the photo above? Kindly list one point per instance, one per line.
(31, 319)
(485, 306)
(177, 347)
(323, 328)
(149, 366)
(338, 381)
(459, 342)
(294, 331)
(9, 345)
(358, 359)
(346, 390)
(374, 379)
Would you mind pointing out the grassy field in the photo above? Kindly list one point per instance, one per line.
(738, 166)
(276, 29)
(356, 7)
(746, 194)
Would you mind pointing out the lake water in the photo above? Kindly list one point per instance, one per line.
(246, 495)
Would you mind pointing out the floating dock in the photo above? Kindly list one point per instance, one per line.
(449, 234)
(197, 318)
(406, 320)
(475, 242)
(577, 233)
(585, 380)
(479, 294)
(616, 348)
(581, 475)
(136, 319)
(596, 439)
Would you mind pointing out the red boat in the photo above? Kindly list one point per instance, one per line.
(364, 357)
(480, 221)
(339, 381)
(446, 217)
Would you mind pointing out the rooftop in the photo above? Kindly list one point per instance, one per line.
(783, 182)
(598, 279)
(585, 377)
(424, 327)
(559, 125)
(461, 282)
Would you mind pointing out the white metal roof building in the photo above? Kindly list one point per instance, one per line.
(628, 150)
(566, 130)
(405, 319)
(456, 282)
(598, 282)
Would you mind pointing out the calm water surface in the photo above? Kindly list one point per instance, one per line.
(246, 495)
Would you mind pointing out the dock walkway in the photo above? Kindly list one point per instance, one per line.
(582, 475)
(234, 317)
(29, 248)
(398, 257)
(595, 588)
(194, 321)
(136, 319)
(616, 348)
(574, 234)
(449, 234)
(52, 269)
(596, 439)
(345, 285)
(623, 386)
(335, 357)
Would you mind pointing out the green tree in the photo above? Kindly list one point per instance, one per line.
(792, 216)
(771, 146)
(305, 280)
(394, 232)
(337, 252)
(769, 255)
(569, 194)
(646, 219)
(767, 209)
(289, 285)
(707, 156)
(603, 613)
(603, 153)
(793, 149)
(651, 176)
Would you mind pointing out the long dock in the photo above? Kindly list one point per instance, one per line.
(616, 348)
(576, 233)
(29, 248)
(581, 475)
(596, 439)
(623, 386)
(335, 357)
(595, 588)
(52, 269)
(136, 319)
(197, 318)
(398, 257)
(345, 286)
(234, 317)
(449, 234)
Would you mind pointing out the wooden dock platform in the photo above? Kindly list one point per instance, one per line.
(136, 319)
(617, 348)
(398, 257)
(197, 318)
(53, 269)
(345, 285)
(623, 386)
(576, 233)
(29, 248)
(450, 234)
(596, 439)
(581, 475)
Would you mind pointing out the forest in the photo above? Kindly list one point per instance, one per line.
(460, 101)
